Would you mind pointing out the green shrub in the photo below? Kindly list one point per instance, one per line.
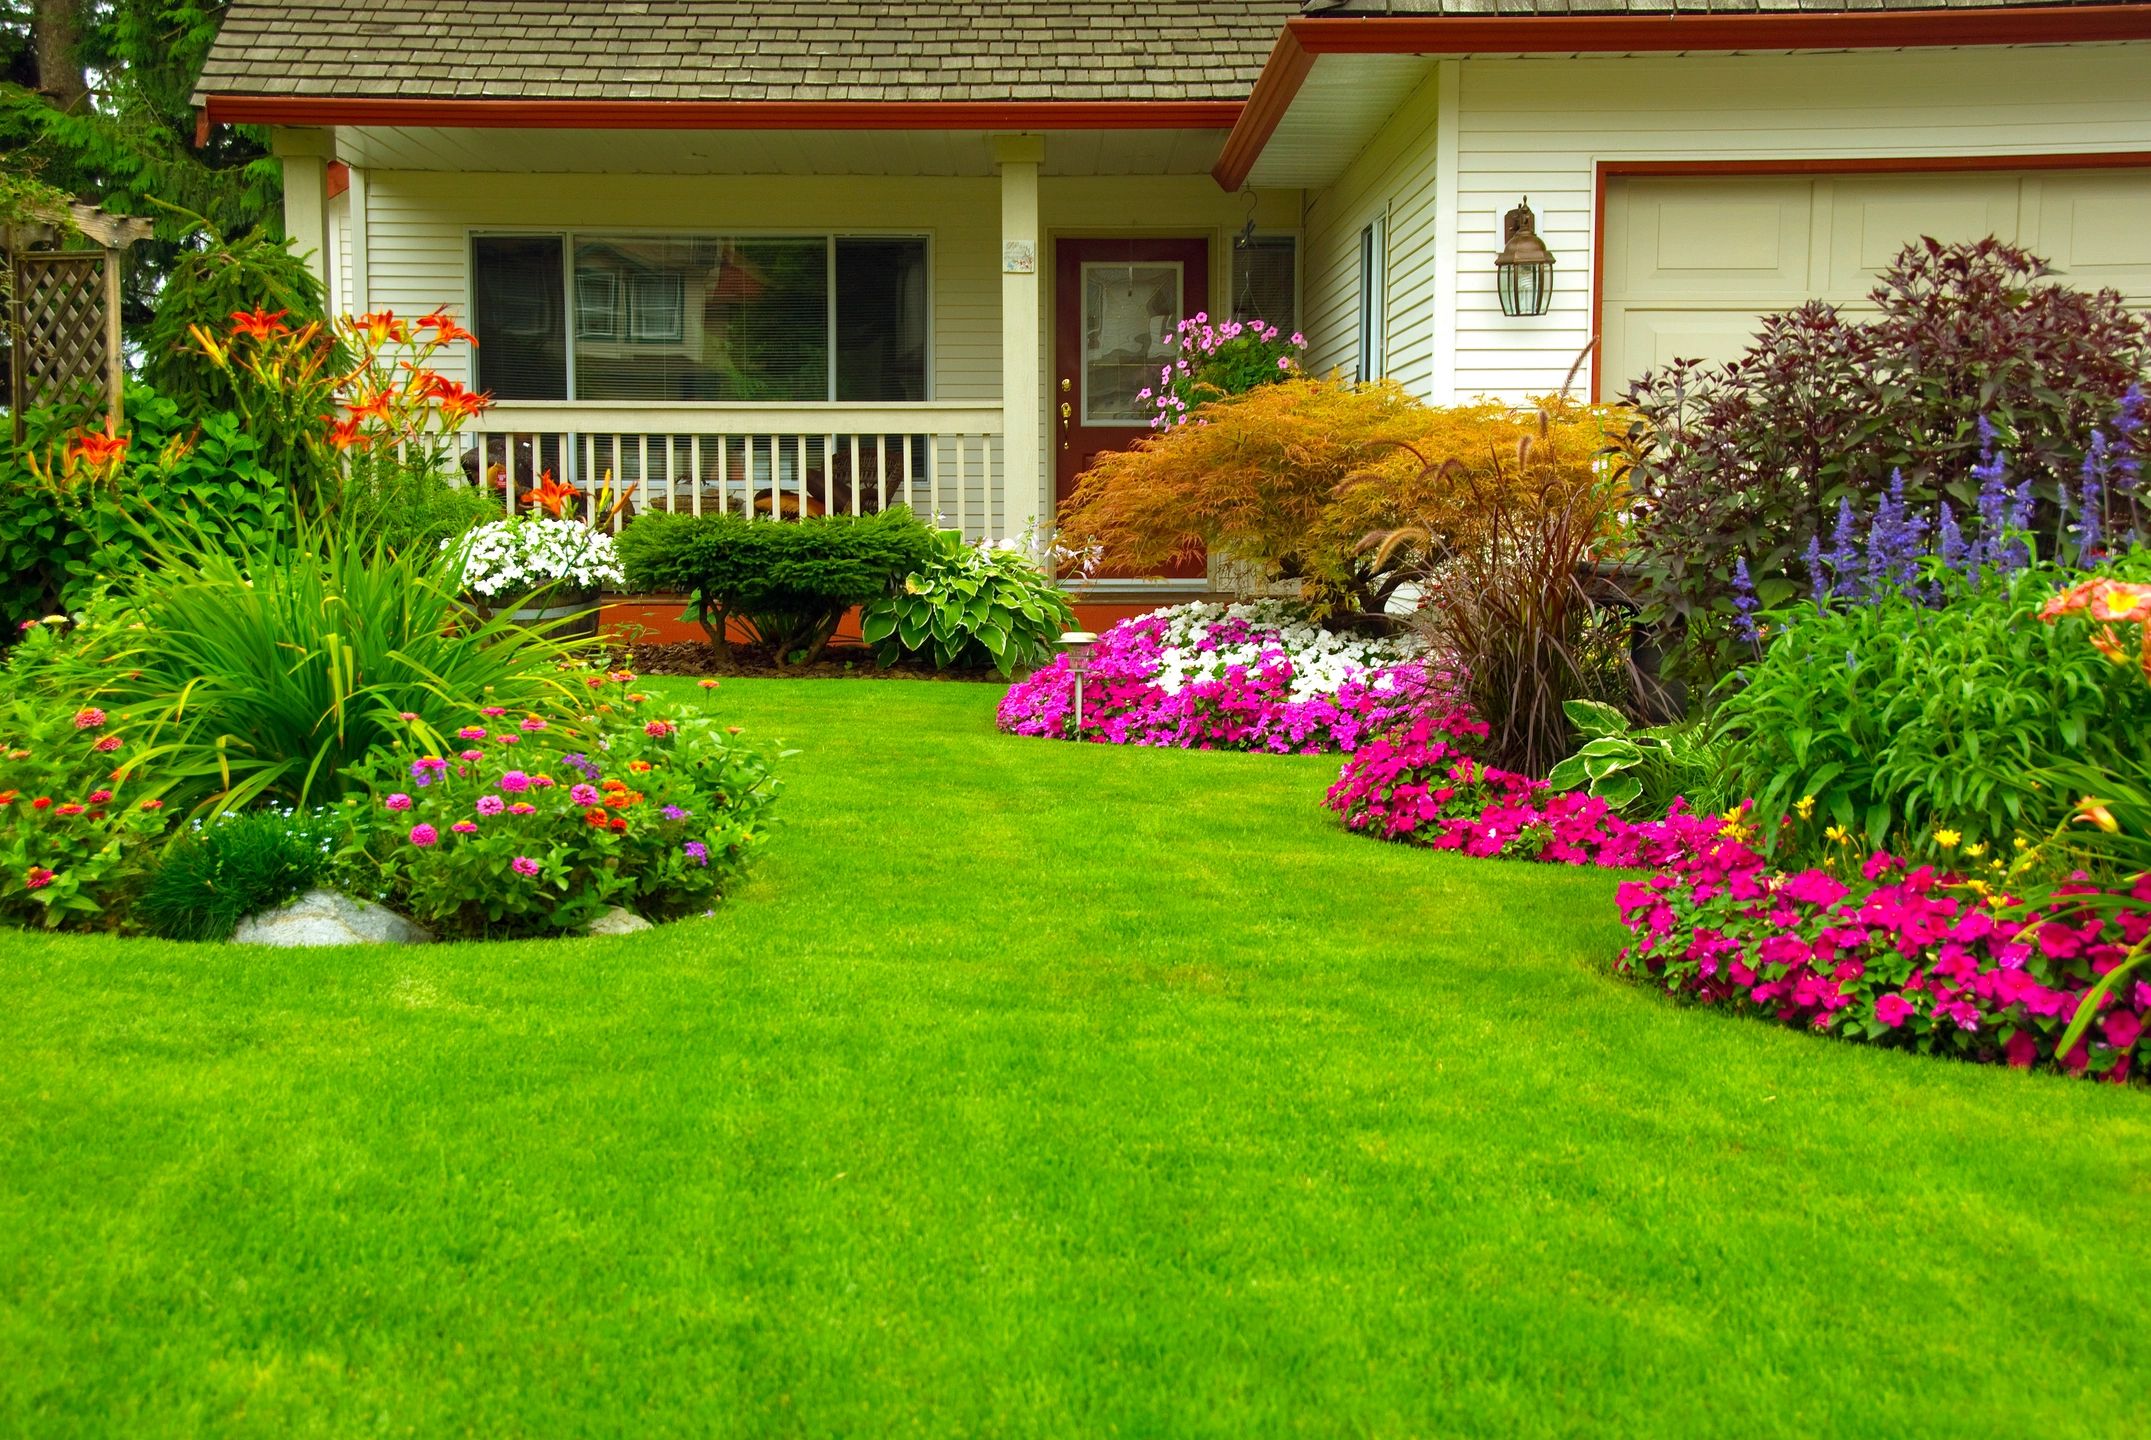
(788, 583)
(259, 676)
(409, 507)
(968, 607)
(234, 866)
(1900, 720)
(205, 287)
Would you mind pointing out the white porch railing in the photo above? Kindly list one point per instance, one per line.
(781, 461)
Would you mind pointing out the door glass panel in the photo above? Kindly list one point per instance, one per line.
(1130, 312)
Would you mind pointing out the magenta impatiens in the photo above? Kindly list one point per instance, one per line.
(1904, 956)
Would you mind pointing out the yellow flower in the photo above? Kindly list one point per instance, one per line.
(2022, 843)
(1975, 851)
(1806, 808)
(1947, 839)
(1837, 835)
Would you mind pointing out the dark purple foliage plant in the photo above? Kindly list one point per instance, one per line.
(1971, 355)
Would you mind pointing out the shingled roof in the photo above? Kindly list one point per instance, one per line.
(1480, 9)
(746, 50)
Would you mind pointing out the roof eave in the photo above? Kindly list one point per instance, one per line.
(1025, 115)
(1304, 40)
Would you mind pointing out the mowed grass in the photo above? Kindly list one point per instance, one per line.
(1030, 1089)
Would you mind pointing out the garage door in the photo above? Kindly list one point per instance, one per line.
(1691, 264)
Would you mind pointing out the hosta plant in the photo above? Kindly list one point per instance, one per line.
(1636, 769)
(969, 607)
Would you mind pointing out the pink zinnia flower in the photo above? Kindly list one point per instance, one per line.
(464, 827)
(398, 801)
(406, 716)
(470, 754)
(658, 728)
(584, 795)
(520, 808)
(89, 719)
(108, 744)
(491, 805)
(515, 780)
(523, 865)
(471, 732)
(532, 722)
(493, 711)
(424, 835)
(39, 877)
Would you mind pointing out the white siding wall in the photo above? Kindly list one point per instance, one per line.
(1539, 126)
(1394, 178)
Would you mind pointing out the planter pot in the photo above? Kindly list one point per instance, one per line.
(570, 614)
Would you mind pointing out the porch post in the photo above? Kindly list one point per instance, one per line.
(1023, 396)
(305, 155)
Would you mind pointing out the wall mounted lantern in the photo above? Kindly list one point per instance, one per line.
(1077, 644)
(1524, 269)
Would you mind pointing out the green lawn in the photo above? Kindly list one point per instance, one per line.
(1030, 1089)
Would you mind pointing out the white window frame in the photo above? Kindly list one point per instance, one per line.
(597, 314)
(663, 322)
(1372, 362)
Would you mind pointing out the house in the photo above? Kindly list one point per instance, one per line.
(809, 255)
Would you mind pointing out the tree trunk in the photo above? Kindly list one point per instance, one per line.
(56, 30)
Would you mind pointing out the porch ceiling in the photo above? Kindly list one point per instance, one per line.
(768, 152)
(1344, 101)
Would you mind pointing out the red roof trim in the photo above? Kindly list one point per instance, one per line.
(724, 114)
(1616, 34)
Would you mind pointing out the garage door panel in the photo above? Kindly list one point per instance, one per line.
(1873, 219)
(1679, 241)
(2095, 226)
(1690, 264)
(1653, 339)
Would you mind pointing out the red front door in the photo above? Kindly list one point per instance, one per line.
(1116, 304)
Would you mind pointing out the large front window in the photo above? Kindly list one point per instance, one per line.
(701, 317)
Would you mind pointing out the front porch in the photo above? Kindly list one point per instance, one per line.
(883, 322)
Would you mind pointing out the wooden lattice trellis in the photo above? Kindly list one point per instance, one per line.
(63, 308)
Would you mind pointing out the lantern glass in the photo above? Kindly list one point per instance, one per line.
(1526, 286)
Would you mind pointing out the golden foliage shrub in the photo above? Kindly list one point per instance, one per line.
(1292, 478)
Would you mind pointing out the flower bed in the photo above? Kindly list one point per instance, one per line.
(1420, 785)
(1910, 957)
(1238, 677)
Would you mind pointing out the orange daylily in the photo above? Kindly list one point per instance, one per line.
(2108, 603)
(552, 496)
(457, 402)
(445, 329)
(96, 449)
(370, 407)
(382, 326)
(259, 324)
(345, 434)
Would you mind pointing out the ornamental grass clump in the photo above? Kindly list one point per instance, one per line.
(219, 872)
(1239, 677)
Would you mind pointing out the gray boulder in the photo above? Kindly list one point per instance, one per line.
(617, 921)
(327, 917)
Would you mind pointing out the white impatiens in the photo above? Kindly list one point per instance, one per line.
(515, 556)
(1203, 642)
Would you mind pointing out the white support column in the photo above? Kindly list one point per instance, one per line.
(305, 155)
(1023, 396)
(1442, 382)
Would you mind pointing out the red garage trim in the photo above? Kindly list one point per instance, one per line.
(722, 114)
(1435, 35)
(1858, 165)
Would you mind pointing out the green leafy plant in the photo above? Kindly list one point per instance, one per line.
(78, 825)
(968, 607)
(261, 673)
(1638, 770)
(1930, 730)
(786, 583)
(251, 273)
(239, 864)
